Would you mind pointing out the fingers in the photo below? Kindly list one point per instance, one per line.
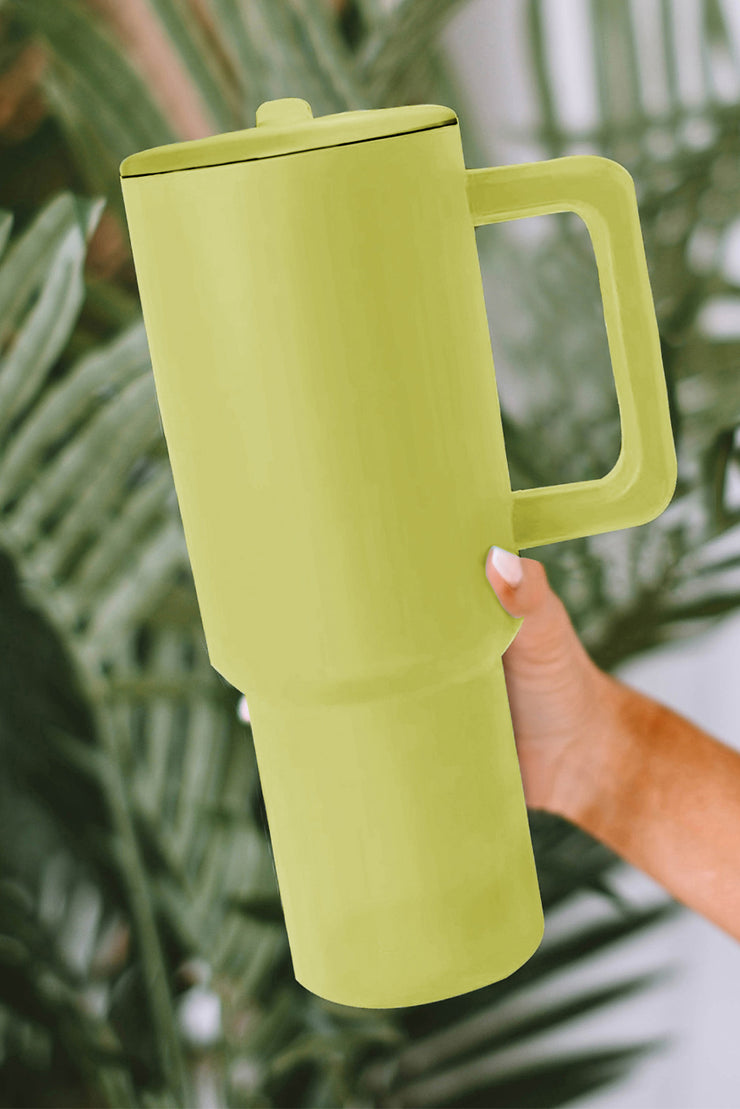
(519, 583)
(547, 635)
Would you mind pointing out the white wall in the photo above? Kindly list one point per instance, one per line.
(700, 1008)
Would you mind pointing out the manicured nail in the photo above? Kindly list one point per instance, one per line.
(508, 565)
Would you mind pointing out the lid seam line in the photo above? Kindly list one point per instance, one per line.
(285, 153)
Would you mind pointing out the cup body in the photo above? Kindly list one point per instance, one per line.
(326, 386)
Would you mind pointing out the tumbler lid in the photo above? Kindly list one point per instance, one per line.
(286, 126)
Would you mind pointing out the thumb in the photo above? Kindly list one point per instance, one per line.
(523, 589)
(519, 583)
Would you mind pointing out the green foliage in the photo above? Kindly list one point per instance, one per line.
(136, 880)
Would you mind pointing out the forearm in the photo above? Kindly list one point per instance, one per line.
(665, 796)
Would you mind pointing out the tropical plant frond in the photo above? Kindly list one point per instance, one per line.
(131, 800)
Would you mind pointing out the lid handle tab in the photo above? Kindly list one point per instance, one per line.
(284, 112)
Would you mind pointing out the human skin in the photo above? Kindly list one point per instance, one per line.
(644, 780)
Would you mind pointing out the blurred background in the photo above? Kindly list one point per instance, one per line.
(143, 958)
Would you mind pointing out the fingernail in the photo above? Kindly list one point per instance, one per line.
(508, 565)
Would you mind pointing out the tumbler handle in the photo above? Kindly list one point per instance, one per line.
(642, 481)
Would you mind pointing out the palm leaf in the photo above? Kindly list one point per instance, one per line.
(118, 730)
(203, 64)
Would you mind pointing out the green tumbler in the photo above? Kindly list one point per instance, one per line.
(313, 301)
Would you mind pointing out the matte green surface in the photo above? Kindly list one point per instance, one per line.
(324, 374)
(285, 126)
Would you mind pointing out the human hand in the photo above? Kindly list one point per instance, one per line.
(557, 695)
(646, 781)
